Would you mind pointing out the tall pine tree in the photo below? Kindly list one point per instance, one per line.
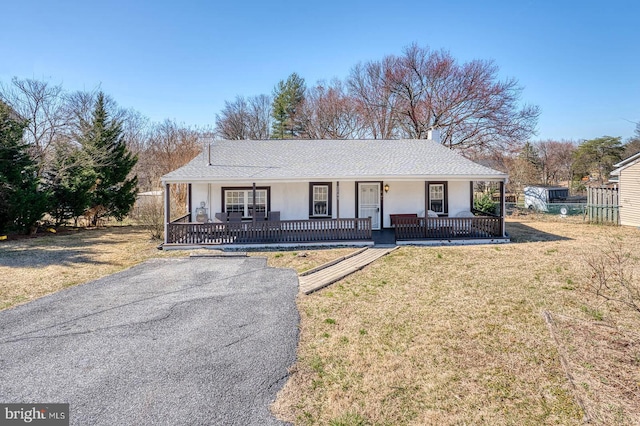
(103, 140)
(22, 200)
(70, 180)
(287, 100)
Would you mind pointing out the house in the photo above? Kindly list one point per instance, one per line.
(627, 175)
(296, 192)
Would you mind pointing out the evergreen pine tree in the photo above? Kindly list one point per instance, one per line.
(596, 157)
(71, 179)
(103, 140)
(22, 201)
(287, 100)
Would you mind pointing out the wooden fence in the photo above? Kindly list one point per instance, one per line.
(603, 205)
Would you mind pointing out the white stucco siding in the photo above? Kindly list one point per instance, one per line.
(459, 196)
(347, 199)
(199, 193)
(403, 197)
(292, 199)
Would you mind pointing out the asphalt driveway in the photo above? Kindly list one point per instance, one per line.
(198, 341)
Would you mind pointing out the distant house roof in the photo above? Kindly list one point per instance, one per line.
(307, 160)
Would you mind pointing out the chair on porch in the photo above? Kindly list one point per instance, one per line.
(464, 229)
(221, 217)
(465, 213)
(432, 225)
(235, 217)
(273, 216)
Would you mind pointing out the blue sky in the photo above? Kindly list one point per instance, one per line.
(578, 60)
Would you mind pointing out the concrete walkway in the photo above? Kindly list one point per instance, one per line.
(331, 272)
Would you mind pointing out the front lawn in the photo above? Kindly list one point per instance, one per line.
(456, 335)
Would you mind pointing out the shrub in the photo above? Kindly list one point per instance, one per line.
(485, 204)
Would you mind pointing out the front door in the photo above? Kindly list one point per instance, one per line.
(369, 202)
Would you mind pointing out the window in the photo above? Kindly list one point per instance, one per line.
(241, 200)
(437, 197)
(319, 199)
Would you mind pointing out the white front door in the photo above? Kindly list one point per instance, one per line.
(369, 202)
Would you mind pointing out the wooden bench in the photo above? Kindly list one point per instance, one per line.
(402, 215)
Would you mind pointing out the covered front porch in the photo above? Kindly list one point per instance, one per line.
(388, 222)
(354, 231)
(479, 228)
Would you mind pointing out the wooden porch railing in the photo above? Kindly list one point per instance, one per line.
(182, 219)
(282, 231)
(447, 228)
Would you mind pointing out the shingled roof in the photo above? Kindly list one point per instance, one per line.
(308, 160)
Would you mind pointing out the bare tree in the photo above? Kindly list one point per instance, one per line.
(79, 108)
(232, 122)
(259, 122)
(168, 145)
(330, 113)
(245, 118)
(374, 99)
(610, 273)
(43, 105)
(632, 145)
(422, 89)
(555, 160)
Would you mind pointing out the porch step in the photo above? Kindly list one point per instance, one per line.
(325, 276)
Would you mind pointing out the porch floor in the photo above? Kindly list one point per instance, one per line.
(335, 272)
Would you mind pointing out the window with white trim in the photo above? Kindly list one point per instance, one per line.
(320, 199)
(241, 200)
(437, 198)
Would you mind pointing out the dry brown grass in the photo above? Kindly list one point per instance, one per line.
(303, 260)
(446, 335)
(455, 335)
(33, 267)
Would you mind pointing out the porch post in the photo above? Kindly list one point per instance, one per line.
(189, 203)
(502, 209)
(167, 210)
(337, 200)
(253, 215)
(471, 196)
